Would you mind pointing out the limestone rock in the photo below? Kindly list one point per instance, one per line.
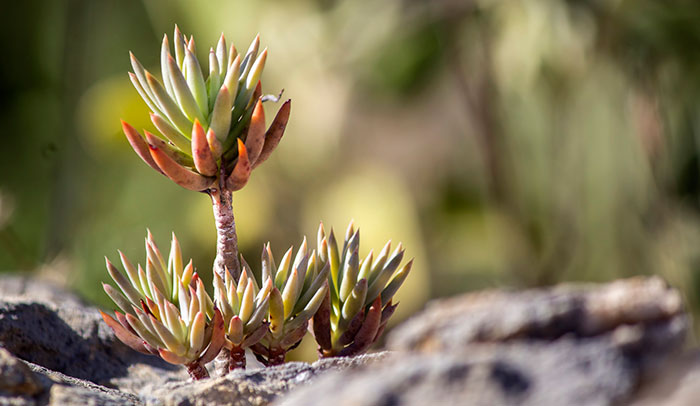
(579, 310)
(51, 328)
(573, 345)
(255, 387)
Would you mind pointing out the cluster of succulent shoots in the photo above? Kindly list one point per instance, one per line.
(166, 310)
(212, 133)
(299, 289)
(355, 312)
(244, 307)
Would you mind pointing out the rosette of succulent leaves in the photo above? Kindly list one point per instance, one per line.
(244, 306)
(211, 128)
(298, 289)
(166, 310)
(358, 305)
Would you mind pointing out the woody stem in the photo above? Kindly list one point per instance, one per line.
(226, 237)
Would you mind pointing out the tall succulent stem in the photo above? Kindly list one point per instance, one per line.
(226, 237)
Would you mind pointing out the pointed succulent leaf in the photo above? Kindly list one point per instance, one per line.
(170, 132)
(255, 336)
(201, 153)
(276, 313)
(139, 145)
(168, 106)
(177, 173)
(217, 338)
(117, 297)
(366, 266)
(250, 55)
(351, 330)
(131, 272)
(380, 281)
(171, 357)
(275, 132)
(197, 332)
(143, 331)
(140, 76)
(174, 154)
(195, 80)
(164, 70)
(221, 54)
(309, 293)
(221, 114)
(289, 293)
(241, 172)
(396, 282)
(379, 262)
(124, 284)
(180, 45)
(259, 315)
(235, 331)
(293, 337)
(256, 132)
(355, 302)
(366, 334)
(231, 78)
(256, 70)
(283, 269)
(171, 343)
(334, 259)
(349, 275)
(123, 334)
(183, 94)
(321, 327)
(214, 144)
(150, 101)
(247, 302)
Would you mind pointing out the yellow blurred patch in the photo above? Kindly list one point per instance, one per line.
(100, 110)
(382, 209)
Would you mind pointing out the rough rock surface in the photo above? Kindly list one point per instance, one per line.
(613, 344)
(55, 350)
(572, 345)
(46, 326)
(251, 387)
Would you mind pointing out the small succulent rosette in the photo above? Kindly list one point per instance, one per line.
(359, 303)
(166, 310)
(211, 132)
(297, 292)
(244, 306)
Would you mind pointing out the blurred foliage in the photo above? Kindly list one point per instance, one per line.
(506, 143)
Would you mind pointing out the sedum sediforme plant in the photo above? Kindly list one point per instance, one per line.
(358, 305)
(244, 307)
(298, 289)
(166, 310)
(211, 127)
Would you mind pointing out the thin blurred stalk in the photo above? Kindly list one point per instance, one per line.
(66, 193)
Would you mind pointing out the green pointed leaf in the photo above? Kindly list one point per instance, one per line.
(195, 80)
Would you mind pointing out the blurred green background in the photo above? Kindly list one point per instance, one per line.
(505, 143)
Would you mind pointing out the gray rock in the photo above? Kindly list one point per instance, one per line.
(676, 383)
(580, 310)
(567, 373)
(26, 384)
(571, 345)
(250, 387)
(45, 326)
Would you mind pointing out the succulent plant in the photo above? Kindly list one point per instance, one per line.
(298, 289)
(244, 307)
(166, 310)
(211, 132)
(358, 305)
